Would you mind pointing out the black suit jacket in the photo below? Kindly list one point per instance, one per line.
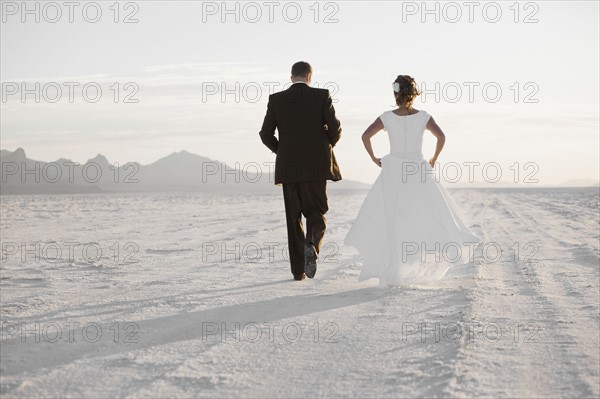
(308, 130)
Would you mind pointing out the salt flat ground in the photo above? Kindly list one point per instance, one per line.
(190, 295)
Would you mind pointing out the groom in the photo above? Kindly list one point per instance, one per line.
(308, 130)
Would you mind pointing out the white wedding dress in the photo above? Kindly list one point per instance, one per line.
(409, 230)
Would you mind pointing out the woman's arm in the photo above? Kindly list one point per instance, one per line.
(366, 138)
(441, 139)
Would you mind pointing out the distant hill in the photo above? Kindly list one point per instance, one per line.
(580, 183)
(179, 171)
(509, 184)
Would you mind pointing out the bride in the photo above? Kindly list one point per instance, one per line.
(409, 229)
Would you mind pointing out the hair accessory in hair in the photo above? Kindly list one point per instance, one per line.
(396, 87)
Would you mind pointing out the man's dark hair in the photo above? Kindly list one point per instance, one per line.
(301, 69)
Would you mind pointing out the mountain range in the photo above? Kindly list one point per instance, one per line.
(179, 171)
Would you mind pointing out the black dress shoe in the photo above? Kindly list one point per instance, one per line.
(299, 277)
(310, 260)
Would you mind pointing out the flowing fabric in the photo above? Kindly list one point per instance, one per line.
(409, 229)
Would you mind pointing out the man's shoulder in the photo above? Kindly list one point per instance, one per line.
(318, 94)
(292, 93)
(302, 86)
(321, 92)
(277, 95)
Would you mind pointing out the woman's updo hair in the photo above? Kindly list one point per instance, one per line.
(405, 90)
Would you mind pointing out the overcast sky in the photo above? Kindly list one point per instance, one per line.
(177, 58)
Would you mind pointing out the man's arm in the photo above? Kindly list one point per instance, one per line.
(334, 129)
(267, 132)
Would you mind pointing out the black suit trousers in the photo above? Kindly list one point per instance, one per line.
(308, 199)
